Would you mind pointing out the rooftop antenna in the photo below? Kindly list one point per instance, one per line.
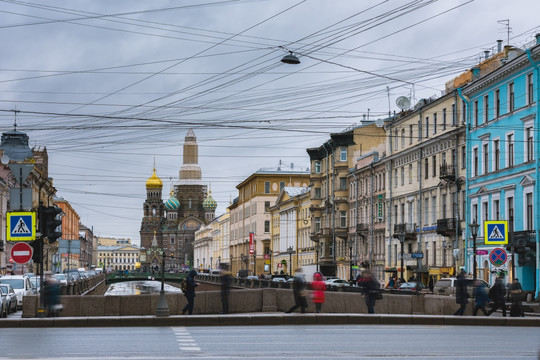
(506, 24)
(15, 111)
(389, 108)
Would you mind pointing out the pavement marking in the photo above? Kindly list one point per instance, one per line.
(184, 339)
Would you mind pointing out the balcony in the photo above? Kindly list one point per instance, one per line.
(362, 228)
(447, 172)
(447, 227)
(407, 229)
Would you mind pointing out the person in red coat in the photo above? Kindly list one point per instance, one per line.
(319, 287)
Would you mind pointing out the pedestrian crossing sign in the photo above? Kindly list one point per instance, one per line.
(496, 232)
(21, 226)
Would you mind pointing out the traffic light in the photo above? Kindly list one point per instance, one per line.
(48, 222)
(523, 251)
(36, 254)
(1, 245)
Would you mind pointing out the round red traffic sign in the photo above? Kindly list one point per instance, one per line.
(21, 253)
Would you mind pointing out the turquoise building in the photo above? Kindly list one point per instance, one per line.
(503, 117)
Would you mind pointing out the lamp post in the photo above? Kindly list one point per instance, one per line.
(211, 262)
(402, 240)
(290, 251)
(317, 249)
(350, 259)
(243, 258)
(162, 308)
(219, 262)
(474, 233)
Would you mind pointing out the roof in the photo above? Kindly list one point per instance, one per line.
(295, 191)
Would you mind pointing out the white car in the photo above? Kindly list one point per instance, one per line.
(337, 282)
(61, 278)
(21, 284)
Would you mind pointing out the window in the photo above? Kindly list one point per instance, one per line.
(510, 207)
(510, 149)
(427, 127)
(530, 143)
(343, 219)
(343, 183)
(530, 89)
(463, 157)
(486, 158)
(434, 123)
(426, 168)
(443, 206)
(434, 253)
(434, 170)
(395, 178)
(511, 97)
(496, 154)
(463, 112)
(402, 175)
(486, 108)
(402, 137)
(475, 162)
(434, 210)
(496, 210)
(317, 193)
(529, 204)
(281, 185)
(497, 103)
(317, 167)
(419, 130)
(402, 213)
(425, 211)
(475, 113)
(410, 174)
(410, 134)
(267, 205)
(343, 153)
(267, 226)
(267, 187)
(317, 224)
(444, 119)
(395, 138)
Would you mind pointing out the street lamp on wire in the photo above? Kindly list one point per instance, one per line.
(290, 251)
(474, 233)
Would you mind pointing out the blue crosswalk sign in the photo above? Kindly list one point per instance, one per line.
(21, 226)
(496, 232)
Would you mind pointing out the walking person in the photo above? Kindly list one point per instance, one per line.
(497, 293)
(226, 281)
(371, 290)
(462, 295)
(319, 287)
(299, 292)
(190, 292)
(516, 309)
(51, 295)
(480, 298)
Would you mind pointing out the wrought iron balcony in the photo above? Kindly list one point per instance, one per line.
(447, 172)
(408, 229)
(447, 227)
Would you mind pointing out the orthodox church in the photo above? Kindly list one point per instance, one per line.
(171, 225)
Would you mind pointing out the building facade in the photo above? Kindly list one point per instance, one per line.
(115, 258)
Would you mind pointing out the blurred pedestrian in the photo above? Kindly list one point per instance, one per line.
(190, 292)
(391, 283)
(462, 295)
(371, 289)
(319, 287)
(480, 298)
(431, 283)
(51, 296)
(299, 292)
(226, 282)
(516, 309)
(497, 293)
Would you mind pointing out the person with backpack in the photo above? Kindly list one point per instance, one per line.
(480, 298)
(226, 283)
(371, 289)
(497, 293)
(189, 292)
(516, 309)
(299, 292)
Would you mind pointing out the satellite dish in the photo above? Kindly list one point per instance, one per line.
(379, 122)
(403, 102)
(4, 159)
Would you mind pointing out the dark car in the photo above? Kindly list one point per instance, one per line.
(411, 287)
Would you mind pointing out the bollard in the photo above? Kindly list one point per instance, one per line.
(529, 297)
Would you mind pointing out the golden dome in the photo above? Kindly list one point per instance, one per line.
(154, 182)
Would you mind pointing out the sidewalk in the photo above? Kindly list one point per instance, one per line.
(248, 319)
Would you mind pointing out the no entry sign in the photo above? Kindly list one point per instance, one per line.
(21, 253)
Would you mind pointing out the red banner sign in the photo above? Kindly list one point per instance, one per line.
(251, 243)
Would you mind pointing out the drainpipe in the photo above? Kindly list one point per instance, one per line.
(372, 220)
(420, 204)
(537, 151)
(467, 175)
(327, 189)
(356, 213)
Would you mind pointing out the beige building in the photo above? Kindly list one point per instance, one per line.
(425, 171)
(292, 247)
(250, 215)
(122, 257)
(206, 241)
(329, 180)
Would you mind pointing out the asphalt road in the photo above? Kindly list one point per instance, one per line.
(272, 342)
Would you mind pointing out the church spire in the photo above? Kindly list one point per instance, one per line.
(190, 172)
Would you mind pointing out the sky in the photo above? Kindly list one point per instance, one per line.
(110, 88)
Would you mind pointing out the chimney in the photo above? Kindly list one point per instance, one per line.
(476, 72)
(292, 165)
(486, 54)
(499, 45)
(537, 36)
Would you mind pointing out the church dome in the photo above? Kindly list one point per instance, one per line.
(154, 182)
(209, 203)
(172, 203)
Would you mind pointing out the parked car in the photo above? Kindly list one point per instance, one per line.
(11, 297)
(252, 277)
(21, 284)
(36, 285)
(3, 304)
(447, 286)
(61, 278)
(411, 287)
(279, 279)
(73, 274)
(337, 282)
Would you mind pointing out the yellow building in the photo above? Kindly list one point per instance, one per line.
(114, 258)
(292, 247)
(250, 215)
(330, 164)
